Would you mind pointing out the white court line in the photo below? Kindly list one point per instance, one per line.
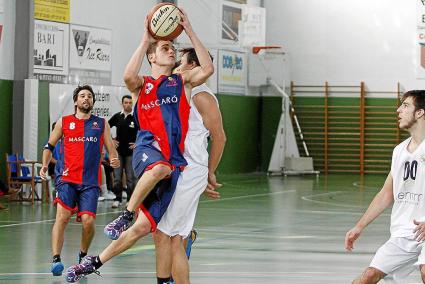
(49, 220)
(238, 273)
(358, 185)
(204, 201)
(248, 196)
(307, 198)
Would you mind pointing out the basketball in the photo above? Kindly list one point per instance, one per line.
(164, 21)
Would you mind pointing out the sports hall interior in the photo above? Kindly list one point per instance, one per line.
(314, 79)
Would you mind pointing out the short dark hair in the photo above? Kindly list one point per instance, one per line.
(79, 89)
(151, 49)
(125, 97)
(418, 97)
(191, 55)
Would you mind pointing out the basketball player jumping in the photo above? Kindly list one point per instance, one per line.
(405, 189)
(161, 111)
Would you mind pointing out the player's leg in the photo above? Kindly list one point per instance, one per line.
(146, 183)
(188, 242)
(180, 266)
(87, 206)
(58, 235)
(390, 259)
(150, 165)
(129, 173)
(163, 257)
(117, 188)
(66, 201)
(371, 275)
(90, 264)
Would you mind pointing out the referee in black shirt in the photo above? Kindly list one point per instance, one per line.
(124, 141)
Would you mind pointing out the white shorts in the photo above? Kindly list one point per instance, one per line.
(180, 214)
(398, 257)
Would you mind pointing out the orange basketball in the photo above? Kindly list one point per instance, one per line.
(164, 22)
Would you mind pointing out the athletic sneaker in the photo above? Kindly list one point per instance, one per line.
(86, 267)
(114, 229)
(190, 240)
(116, 204)
(57, 268)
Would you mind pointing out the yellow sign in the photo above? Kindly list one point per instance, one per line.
(52, 10)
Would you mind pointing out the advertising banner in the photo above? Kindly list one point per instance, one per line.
(232, 72)
(51, 49)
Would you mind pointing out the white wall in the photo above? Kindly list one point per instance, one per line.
(124, 18)
(347, 41)
(7, 19)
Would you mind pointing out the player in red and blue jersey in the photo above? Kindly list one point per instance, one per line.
(162, 112)
(78, 172)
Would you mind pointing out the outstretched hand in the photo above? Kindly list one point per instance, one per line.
(351, 236)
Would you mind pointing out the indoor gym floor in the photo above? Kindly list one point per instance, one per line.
(263, 230)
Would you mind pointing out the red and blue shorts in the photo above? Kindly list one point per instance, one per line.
(77, 198)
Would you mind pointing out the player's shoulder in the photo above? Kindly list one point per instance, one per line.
(402, 145)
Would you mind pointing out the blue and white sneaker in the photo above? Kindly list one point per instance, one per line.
(57, 268)
(190, 240)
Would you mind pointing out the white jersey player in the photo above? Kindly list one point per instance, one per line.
(405, 189)
(177, 222)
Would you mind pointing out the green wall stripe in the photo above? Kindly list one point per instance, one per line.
(6, 95)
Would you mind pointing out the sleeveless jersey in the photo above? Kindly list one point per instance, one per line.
(197, 136)
(82, 145)
(162, 114)
(408, 173)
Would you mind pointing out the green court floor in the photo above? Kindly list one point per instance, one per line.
(263, 230)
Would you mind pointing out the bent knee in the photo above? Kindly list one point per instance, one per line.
(160, 171)
(140, 230)
(371, 275)
(89, 221)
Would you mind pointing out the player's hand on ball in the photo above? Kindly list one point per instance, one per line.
(351, 236)
(419, 231)
(147, 37)
(184, 21)
(115, 163)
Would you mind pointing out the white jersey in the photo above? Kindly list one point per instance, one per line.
(180, 214)
(408, 173)
(196, 142)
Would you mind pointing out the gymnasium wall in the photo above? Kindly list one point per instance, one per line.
(250, 124)
(346, 41)
(7, 38)
(6, 93)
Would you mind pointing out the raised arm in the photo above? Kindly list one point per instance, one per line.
(49, 147)
(199, 75)
(110, 147)
(382, 200)
(132, 79)
(208, 108)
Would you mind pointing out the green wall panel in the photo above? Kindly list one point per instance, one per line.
(240, 120)
(6, 93)
(270, 116)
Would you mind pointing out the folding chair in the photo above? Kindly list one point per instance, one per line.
(20, 173)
